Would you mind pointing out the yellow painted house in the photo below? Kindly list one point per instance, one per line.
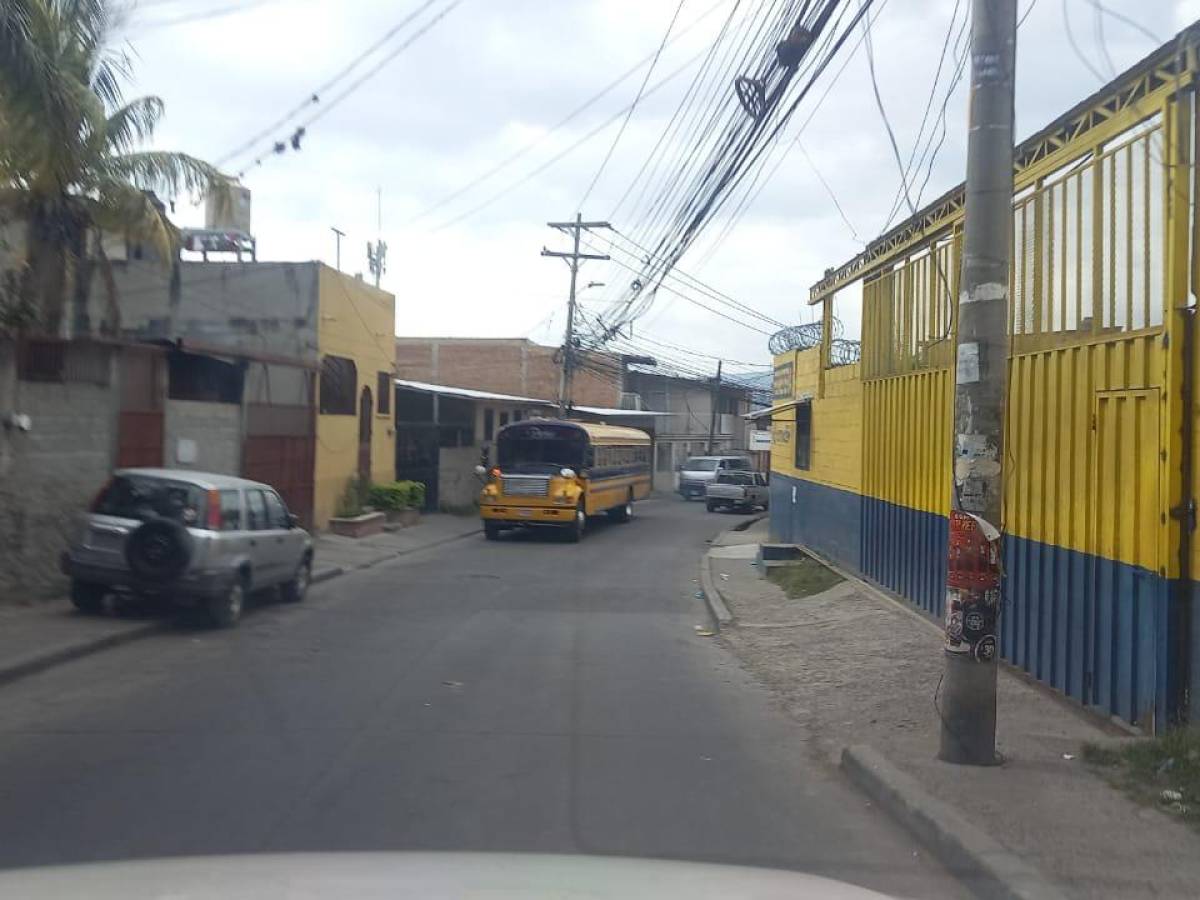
(356, 353)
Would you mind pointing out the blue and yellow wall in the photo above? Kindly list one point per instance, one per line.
(1096, 602)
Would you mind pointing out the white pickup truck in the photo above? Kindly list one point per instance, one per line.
(736, 490)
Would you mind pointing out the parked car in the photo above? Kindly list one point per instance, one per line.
(194, 537)
(736, 490)
(698, 471)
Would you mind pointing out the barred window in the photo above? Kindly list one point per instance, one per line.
(339, 386)
(803, 435)
(383, 393)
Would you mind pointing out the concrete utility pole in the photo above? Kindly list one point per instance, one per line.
(572, 260)
(712, 417)
(968, 699)
(338, 235)
(377, 252)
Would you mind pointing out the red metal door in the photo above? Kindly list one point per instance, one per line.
(280, 450)
(140, 427)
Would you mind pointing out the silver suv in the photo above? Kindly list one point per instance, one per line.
(193, 536)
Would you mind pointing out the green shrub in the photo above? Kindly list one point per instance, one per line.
(397, 495)
(353, 498)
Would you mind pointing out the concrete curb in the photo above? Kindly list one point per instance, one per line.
(39, 661)
(325, 574)
(983, 864)
(718, 611)
(334, 571)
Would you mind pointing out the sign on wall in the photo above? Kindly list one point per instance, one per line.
(760, 440)
(784, 382)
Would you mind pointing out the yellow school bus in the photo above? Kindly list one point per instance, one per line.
(557, 473)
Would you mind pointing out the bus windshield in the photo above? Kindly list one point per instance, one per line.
(538, 449)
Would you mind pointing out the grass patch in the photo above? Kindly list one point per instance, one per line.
(804, 577)
(1163, 772)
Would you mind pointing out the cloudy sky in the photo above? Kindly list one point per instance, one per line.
(494, 76)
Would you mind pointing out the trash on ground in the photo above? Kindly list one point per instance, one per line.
(1170, 796)
(453, 684)
(1068, 756)
(724, 577)
(701, 631)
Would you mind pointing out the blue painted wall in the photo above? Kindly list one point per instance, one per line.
(1095, 629)
(827, 519)
(904, 549)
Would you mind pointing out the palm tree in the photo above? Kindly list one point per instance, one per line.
(70, 159)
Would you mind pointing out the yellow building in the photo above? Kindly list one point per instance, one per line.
(356, 350)
(1101, 597)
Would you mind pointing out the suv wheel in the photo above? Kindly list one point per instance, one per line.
(293, 591)
(225, 610)
(88, 597)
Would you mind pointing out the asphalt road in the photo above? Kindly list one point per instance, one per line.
(521, 695)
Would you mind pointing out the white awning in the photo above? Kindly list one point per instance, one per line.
(469, 393)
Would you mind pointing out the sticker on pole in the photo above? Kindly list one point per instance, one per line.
(972, 587)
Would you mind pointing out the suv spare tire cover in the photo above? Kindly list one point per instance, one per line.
(159, 550)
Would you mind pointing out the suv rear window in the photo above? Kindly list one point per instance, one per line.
(143, 497)
(700, 465)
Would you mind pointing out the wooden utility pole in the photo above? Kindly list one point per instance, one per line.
(572, 260)
(968, 697)
(716, 397)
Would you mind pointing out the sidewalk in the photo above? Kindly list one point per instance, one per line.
(334, 554)
(34, 638)
(860, 669)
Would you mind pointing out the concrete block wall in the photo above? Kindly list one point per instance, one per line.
(458, 487)
(48, 475)
(517, 367)
(214, 431)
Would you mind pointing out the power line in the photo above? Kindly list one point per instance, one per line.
(154, 24)
(362, 79)
(828, 190)
(744, 144)
(315, 96)
(587, 104)
(632, 107)
(1066, 13)
(694, 282)
(558, 156)
(675, 116)
(887, 122)
(937, 76)
(702, 129)
(756, 187)
(691, 300)
(742, 148)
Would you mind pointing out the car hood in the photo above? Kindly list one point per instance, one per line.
(417, 875)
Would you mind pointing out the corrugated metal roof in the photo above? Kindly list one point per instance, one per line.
(609, 411)
(469, 393)
(472, 394)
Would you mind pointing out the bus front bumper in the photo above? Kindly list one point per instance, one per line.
(528, 515)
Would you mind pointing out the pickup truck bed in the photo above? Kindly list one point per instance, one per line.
(727, 494)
